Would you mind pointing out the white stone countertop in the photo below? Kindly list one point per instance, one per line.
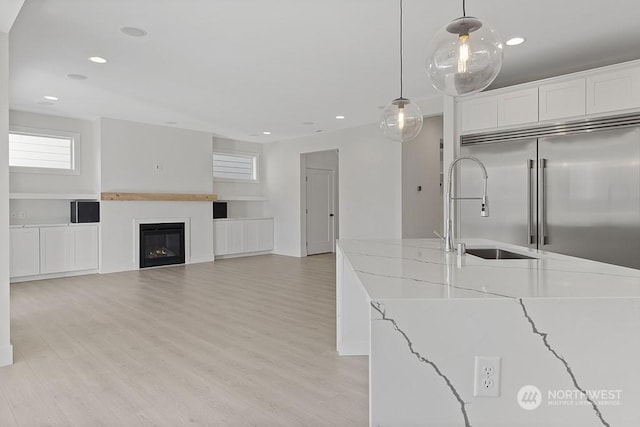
(420, 269)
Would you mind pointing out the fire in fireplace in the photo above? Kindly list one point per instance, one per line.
(161, 244)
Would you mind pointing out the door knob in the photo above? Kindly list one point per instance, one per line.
(330, 214)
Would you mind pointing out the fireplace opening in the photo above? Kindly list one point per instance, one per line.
(161, 244)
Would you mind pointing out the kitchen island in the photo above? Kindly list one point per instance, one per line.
(566, 330)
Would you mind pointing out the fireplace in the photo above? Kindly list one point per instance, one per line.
(161, 244)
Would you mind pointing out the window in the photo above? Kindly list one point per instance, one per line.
(235, 167)
(33, 150)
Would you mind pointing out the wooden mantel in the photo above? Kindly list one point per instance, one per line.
(160, 197)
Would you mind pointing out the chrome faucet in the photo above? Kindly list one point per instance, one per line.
(484, 210)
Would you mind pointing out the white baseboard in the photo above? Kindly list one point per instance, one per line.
(6, 355)
(353, 348)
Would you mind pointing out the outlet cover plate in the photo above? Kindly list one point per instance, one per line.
(486, 376)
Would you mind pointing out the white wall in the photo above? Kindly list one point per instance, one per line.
(130, 152)
(86, 182)
(370, 185)
(421, 166)
(6, 351)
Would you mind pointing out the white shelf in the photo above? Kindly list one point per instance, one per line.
(242, 199)
(54, 196)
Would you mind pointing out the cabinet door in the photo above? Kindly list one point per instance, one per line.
(83, 242)
(259, 235)
(561, 100)
(220, 237)
(478, 114)
(253, 236)
(611, 91)
(518, 107)
(236, 236)
(24, 253)
(55, 250)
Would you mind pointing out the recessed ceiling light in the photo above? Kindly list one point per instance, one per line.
(77, 76)
(340, 117)
(51, 98)
(47, 103)
(319, 130)
(133, 31)
(97, 59)
(515, 41)
(266, 132)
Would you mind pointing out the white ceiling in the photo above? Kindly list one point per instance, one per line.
(240, 67)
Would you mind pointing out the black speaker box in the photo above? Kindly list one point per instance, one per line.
(219, 210)
(85, 211)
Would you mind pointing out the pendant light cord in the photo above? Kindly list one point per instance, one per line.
(464, 8)
(401, 59)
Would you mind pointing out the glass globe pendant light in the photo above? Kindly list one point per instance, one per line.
(402, 119)
(465, 56)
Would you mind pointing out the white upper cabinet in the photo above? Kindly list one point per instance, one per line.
(613, 90)
(562, 100)
(479, 114)
(518, 107)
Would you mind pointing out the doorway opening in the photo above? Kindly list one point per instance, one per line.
(319, 202)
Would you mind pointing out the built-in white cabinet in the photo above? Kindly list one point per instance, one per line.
(55, 249)
(241, 236)
(603, 91)
(68, 248)
(479, 114)
(613, 90)
(518, 107)
(562, 100)
(24, 252)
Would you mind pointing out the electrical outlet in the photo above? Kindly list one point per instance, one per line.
(486, 377)
(22, 214)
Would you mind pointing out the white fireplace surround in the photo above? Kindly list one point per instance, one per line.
(136, 236)
(120, 230)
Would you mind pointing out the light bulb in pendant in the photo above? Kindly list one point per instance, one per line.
(463, 53)
(401, 118)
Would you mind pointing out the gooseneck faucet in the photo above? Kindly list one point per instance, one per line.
(484, 210)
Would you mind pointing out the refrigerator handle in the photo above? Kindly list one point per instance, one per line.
(542, 203)
(531, 238)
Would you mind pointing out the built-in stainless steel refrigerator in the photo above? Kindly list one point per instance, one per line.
(572, 189)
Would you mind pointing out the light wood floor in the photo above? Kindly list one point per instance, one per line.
(238, 342)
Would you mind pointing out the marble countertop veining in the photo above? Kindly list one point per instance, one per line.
(420, 269)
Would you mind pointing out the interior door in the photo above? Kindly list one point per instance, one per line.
(320, 214)
(511, 190)
(590, 195)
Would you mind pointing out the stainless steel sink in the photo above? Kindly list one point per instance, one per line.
(495, 253)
